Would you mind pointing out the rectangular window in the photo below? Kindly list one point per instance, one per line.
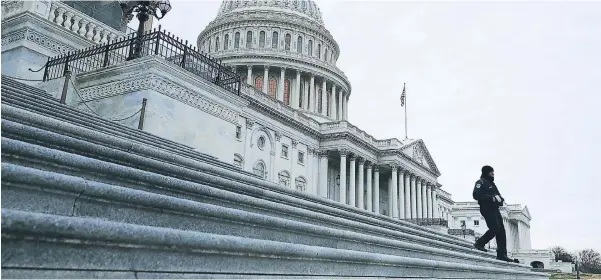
(284, 151)
(301, 157)
(476, 223)
(238, 132)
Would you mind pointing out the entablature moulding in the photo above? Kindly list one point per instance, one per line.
(414, 174)
(283, 59)
(283, 19)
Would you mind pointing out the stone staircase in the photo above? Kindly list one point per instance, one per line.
(84, 197)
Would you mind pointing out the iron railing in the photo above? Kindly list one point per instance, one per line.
(429, 222)
(156, 43)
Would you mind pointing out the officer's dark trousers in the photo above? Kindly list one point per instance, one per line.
(494, 222)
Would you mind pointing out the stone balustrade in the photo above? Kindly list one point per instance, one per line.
(81, 24)
(66, 17)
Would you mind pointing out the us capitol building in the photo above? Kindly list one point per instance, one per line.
(288, 123)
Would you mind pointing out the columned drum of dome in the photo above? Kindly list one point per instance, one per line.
(283, 49)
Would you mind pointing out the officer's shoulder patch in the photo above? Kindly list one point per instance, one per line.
(478, 185)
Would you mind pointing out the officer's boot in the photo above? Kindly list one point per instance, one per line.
(503, 257)
(480, 247)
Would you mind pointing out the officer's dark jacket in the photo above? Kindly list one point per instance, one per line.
(485, 191)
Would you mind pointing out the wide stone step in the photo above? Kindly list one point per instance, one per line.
(7, 81)
(115, 167)
(157, 162)
(54, 242)
(31, 190)
(22, 153)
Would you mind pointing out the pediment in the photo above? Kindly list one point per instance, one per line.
(417, 151)
(526, 212)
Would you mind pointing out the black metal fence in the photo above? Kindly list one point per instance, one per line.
(158, 43)
(429, 222)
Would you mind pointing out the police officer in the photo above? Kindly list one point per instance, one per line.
(489, 198)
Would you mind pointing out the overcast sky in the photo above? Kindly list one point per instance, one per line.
(513, 85)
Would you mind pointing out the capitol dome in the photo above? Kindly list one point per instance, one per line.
(281, 48)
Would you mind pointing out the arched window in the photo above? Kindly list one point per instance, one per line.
(273, 85)
(226, 41)
(310, 47)
(237, 40)
(249, 39)
(216, 44)
(274, 40)
(210, 43)
(284, 178)
(287, 92)
(259, 169)
(319, 51)
(259, 83)
(262, 39)
(299, 44)
(238, 161)
(301, 184)
(287, 40)
(319, 100)
(304, 5)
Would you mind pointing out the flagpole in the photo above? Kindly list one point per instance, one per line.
(406, 137)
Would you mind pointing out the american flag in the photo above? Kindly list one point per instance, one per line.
(403, 96)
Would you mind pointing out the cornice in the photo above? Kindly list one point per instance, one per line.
(29, 34)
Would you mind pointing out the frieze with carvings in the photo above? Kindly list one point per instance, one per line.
(37, 38)
(154, 82)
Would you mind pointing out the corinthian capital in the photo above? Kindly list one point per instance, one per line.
(343, 152)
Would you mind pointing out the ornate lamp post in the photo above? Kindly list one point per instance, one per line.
(144, 10)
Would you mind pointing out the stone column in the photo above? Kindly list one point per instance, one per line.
(360, 189)
(316, 171)
(352, 192)
(333, 103)
(313, 95)
(424, 200)
(343, 155)
(392, 193)
(266, 80)
(324, 93)
(418, 195)
(369, 198)
(435, 197)
(429, 198)
(305, 95)
(413, 197)
(376, 198)
(249, 75)
(339, 110)
(346, 106)
(401, 195)
(297, 90)
(407, 196)
(323, 174)
(281, 84)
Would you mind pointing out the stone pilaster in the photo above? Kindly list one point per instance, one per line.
(266, 80)
(323, 174)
